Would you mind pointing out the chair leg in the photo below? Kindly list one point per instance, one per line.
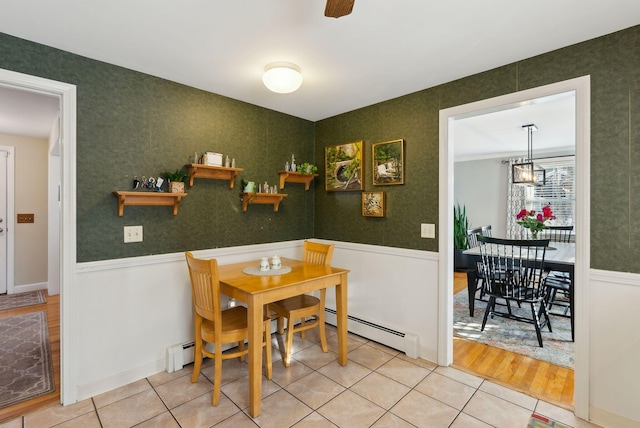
(536, 323)
(280, 325)
(217, 374)
(267, 349)
(490, 307)
(286, 360)
(323, 332)
(197, 351)
(241, 348)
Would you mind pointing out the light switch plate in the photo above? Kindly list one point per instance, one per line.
(132, 234)
(427, 230)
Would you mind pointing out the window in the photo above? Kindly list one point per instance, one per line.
(558, 191)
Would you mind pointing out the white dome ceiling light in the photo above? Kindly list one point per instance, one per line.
(282, 77)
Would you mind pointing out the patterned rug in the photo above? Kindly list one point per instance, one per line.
(514, 336)
(26, 369)
(10, 301)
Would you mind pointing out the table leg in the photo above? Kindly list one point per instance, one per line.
(341, 318)
(255, 323)
(472, 281)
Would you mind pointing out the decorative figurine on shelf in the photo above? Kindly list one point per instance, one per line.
(136, 182)
(227, 162)
(233, 163)
(293, 163)
(286, 166)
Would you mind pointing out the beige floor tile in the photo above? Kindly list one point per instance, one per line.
(58, 413)
(419, 362)
(164, 377)
(465, 421)
(238, 390)
(562, 415)
(381, 390)
(424, 411)
(403, 371)
(281, 410)
(283, 376)
(496, 411)
(383, 348)
(315, 389)
(13, 423)
(314, 357)
(200, 413)
(389, 420)
(132, 410)
(88, 420)
(369, 356)
(239, 420)
(314, 420)
(232, 370)
(460, 376)
(120, 393)
(447, 390)
(345, 375)
(163, 420)
(181, 390)
(522, 400)
(351, 410)
(353, 342)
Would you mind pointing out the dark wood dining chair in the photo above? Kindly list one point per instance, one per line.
(216, 326)
(514, 271)
(303, 306)
(559, 283)
(472, 242)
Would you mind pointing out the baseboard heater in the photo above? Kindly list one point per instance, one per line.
(402, 341)
(179, 356)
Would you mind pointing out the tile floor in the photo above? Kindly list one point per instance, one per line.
(379, 387)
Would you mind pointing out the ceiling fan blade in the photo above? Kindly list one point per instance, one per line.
(338, 8)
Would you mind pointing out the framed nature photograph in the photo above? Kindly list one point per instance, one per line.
(344, 167)
(373, 204)
(388, 163)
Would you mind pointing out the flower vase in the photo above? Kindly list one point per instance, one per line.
(534, 234)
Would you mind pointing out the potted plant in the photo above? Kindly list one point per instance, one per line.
(460, 226)
(176, 181)
(307, 168)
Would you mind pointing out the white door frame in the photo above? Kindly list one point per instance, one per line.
(67, 94)
(8, 223)
(582, 88)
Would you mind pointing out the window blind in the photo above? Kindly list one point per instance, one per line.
(558, 191)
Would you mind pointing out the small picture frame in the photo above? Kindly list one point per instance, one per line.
(344, 167)
(373, 204)
(388, 162)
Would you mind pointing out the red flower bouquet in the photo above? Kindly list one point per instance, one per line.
(535, 222)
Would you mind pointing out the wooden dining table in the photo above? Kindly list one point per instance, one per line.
(258, 289)
(559, 256)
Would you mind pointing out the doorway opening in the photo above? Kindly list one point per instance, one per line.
(581, 87)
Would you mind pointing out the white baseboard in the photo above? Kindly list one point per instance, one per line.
(30, 287)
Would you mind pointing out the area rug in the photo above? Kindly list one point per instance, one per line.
(26, 369)
(539, 421)
(29, 298)
(514, 336)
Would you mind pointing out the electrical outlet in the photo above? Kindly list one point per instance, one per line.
(132, 234)
(25, 218)
(427, 230)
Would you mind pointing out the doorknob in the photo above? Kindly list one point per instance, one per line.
(1, 230)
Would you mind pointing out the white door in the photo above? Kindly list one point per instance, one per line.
(3, 221)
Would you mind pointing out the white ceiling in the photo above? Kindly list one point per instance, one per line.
(382, 50)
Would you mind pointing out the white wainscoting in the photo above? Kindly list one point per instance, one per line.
(127, 312)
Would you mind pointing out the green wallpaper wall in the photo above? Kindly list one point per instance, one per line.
(613, 61)
(131, 124)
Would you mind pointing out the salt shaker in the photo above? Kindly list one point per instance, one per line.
(264, 264)
(275, 263)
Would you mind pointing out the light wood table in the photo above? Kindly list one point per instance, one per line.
(256, 291)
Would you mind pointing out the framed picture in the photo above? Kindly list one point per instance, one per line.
(373, 204)
(388, 163)
(344, 167)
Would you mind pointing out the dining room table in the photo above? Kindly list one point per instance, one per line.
(246, 283)
(559, 257)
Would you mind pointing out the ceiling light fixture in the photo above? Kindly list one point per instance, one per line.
(282, 77)
(526, 173)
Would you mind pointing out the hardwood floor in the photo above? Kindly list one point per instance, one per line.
(52, 307)
(539, 379)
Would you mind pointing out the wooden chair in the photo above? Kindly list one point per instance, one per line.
(557, 233)
(303, 306)
(472, 242)
(216, 326)
(558, 283)
(514, 271)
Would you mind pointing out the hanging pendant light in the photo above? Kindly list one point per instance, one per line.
(526, 173)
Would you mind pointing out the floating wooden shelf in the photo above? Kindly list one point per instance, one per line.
(262, 198)
(296, 177)
(148, 198)
(197, 170)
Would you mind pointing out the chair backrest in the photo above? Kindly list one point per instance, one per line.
(557, 233)
(316, 253)
(472, 235)
(205, 288)
(513, 268)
